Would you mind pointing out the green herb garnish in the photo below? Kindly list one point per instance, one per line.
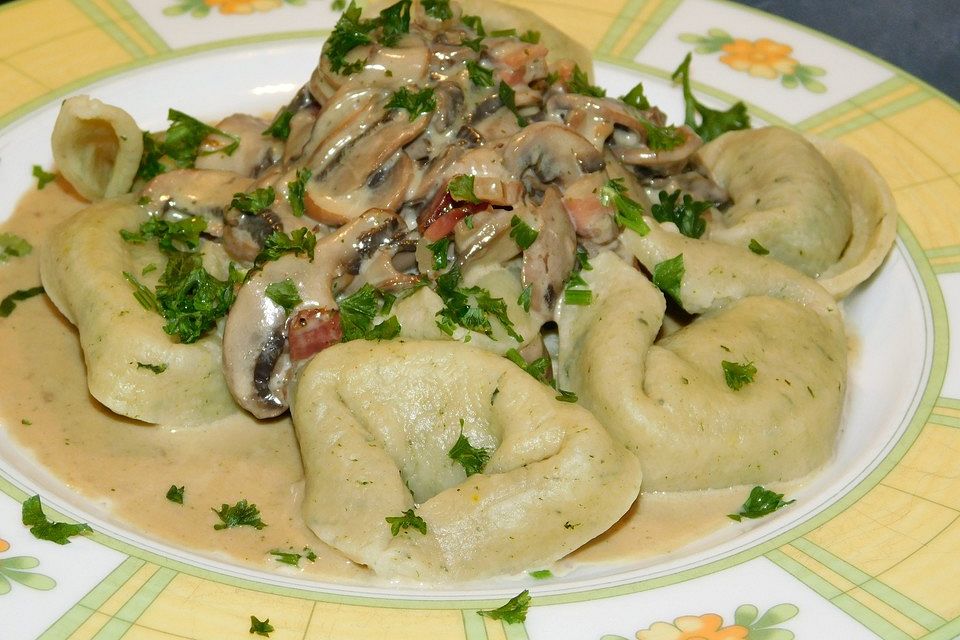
(460, 189)
(143, 295)
(513, 612)
(629, 212)
(580, 83)
(480, 76)
(712, 122)
(757, 248)
(255, 202)
(296, 189)
(190, 299)
(415, 103)
(686, 214)
(530, 36)
(43, 178)
(394, 21)
(541, 574)
(470, 308)
(439, 9)
(175, 494)
(182, 235)
(668, 276)
(260, 627)
(472, 459)
(181, 143)
(761, 502)
(13, 246)
(349, 33)
(523, 300)
(284, 293)
(241, 514)
(636, 98)
(157, 369)
(439, 250)
(406, 521)
(522, 233)
(301, 241)
(475, 23)
(509, 99)
(8, 304)
(280, 127)
(738, 374)
(43, 529)
(358, 311)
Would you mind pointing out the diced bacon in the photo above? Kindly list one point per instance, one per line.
(312, 331)
(585, 212)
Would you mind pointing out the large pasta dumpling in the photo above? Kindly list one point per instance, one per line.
(376, 424)
(124, 345)
(667, 396)
(815, 205)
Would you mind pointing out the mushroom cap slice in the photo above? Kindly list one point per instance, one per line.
(667, 399)
(785, 194)
(82, 266)
(376, 423)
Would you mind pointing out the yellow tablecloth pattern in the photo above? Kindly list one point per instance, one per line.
(889, 554)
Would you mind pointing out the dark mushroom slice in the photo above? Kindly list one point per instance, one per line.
(373, 172)
(548, 262)
(254, 152)
(257, 362)
(184, 193)
(549, 153)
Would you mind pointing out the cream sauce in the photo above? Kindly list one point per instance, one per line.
(126, 467)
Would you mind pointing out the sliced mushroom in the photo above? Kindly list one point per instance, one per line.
(374, 172)
(629, 148)
(191, 192)
(694, 183)
(348, 114)
(547, 152)
(254, 152)
(487, 241)
(547, 263)
(256, 360)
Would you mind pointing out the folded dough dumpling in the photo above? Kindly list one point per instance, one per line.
(376, 423)
(667, 398)
(82, 269)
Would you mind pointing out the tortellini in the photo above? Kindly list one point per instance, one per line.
(815, 205)
(133, 367)
(667, 398)
(97, 147)
(376, 423)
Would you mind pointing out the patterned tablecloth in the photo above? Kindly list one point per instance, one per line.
(882, 561)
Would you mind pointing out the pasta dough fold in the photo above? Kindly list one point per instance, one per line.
(667, 399)
(82, 267)
(376, 422)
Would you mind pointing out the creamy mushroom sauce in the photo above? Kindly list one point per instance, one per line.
(124, 467)
(379, 178)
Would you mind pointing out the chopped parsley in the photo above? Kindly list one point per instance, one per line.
(439, 9)
(513, 612)
(662, 138)
(260, 627)
(241, 514)
(473, 43)
(712, 122)
(296, 189)
(280, 127)
(480, 76)
(394, 21)
(415, 103)
(636, 98)
(292, 557)
(541, 574)
(301, 241)
(686, 214)
(8, 304)
(338, 5)
(578, 297)
(470, 308)
(757, 248)
(472, 459)
(189, 298)
(475, 23)
(461, 187)
(629, 212)
(143, 295)
(530, 36)
(523, 300)
(43, 178)
(284, 293)
(175, 494)
(439, 249)
(349, 33)
(538, 370)
(182, 235)
(522, 233)
(408, 520)
(157, 369)
(358, 311)
(13, 246)
(43, 529)
(509, 99)
(668, 276)
(738, 374)
(255, 202)
(580, 83)
(503, 33)
(181, 143)
(761, 502)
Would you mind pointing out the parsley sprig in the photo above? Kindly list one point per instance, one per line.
(300, 241)
(686, 213)
(470, 308)
(415, 103)
(181, 144)
(9, 303)
(190, 299)
(737, 375)
(182, 235)
(409, 520)
(580, 83)
(629, 212)
(759, 503)
(712, 122)
(513, 612)
(242, 514)
(668, 276)
(472, 459)
(13, 246)
(43, 529)
(359, 310)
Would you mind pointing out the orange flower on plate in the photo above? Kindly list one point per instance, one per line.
(4, 545)
(244, 6)
(763, 58)
(709, 626)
